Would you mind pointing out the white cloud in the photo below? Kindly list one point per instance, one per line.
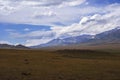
(44, 14)
(5, 42)
(72, 3)
(10, 30)
(34, 42)
(53, 2)
(41, 3)
(6, 10)
(31, 11)
(26, 29)
(35, 37)
(91, 25)
(94, 24)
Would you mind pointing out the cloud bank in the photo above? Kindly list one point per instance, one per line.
(67, 18)
(90, 24)
(37, 11)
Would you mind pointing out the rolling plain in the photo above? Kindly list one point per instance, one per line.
(65, 64)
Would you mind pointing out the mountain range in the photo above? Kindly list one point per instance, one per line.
(111, 36)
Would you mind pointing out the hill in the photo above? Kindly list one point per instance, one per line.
(13, 46)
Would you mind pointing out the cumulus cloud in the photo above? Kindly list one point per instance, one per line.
(44, 14)
(31, 11)
(94, 24)
(5, 9)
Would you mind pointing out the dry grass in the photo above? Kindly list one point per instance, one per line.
(59, 65)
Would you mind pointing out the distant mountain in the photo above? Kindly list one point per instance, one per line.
(6, 46)
(67, 41)
(109, 35)
(112, 36)
(12, 46)
(21, 47)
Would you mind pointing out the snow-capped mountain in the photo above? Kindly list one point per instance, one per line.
(67, 41)
(107, 36)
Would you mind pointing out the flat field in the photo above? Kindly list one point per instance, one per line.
(59, 65)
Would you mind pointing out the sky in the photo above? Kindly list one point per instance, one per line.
(35, 22)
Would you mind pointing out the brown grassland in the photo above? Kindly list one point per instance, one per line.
(59, 65)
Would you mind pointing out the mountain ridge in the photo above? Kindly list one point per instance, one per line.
(8, 46)
(104, 37)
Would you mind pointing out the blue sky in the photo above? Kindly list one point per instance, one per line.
(8, 28)
(34, 22)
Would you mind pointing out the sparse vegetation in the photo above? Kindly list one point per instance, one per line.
(59, 65)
